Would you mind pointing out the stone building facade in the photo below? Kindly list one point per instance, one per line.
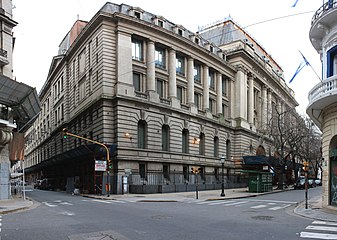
(322, 107)
(6, 66)
(164, 99)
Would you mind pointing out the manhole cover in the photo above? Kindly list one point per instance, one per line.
(263, 218)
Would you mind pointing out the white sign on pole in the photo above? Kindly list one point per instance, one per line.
(100, 166)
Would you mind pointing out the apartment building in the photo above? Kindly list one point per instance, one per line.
(162, 98)
(322, 107)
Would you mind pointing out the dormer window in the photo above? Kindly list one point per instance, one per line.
(211, 48)
(138, 15)
(197, 40)
(180, 31)
(160, 23)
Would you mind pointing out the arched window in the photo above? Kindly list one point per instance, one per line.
(216, 146)
(142, 134)
(202, 144)
(185, 141)
(165, 138)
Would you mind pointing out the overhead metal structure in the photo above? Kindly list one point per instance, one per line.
(21, 98)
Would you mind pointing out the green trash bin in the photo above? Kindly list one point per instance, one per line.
(254, 184)
(259, 181)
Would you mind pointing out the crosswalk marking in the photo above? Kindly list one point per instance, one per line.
(321, 230)
(279, 207)
(325, 223)
(66, 203)
(259, 206)
(318, 235)
(220, 202)
(102, 201)
(236, 203)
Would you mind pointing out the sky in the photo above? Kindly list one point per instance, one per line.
(282, 30)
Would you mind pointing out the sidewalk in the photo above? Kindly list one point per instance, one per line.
(14, 204)
(314, 211)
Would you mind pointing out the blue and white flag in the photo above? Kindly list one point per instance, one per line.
(300, 67)
(294, 5)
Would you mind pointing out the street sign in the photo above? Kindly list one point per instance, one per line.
(100, 166)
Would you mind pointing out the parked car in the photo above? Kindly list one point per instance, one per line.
(37, 184)
(47, 184)
(318, 182)
(300, 183)
(311, 183)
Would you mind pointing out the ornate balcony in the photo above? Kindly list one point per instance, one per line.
(3, 57)
(321, 96)
(322, 22)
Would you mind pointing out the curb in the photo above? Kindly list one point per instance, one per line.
(30, 204)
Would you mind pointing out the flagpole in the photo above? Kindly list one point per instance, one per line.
(307, 63)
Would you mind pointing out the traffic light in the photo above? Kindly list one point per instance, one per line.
(200, 170)
(65, 133)
(306, 166)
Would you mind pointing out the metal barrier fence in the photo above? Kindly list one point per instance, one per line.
(178, 182)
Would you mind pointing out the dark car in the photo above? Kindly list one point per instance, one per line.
(300, 183)
(47, 184)
(37, 184)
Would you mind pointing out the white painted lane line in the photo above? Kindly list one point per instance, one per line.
(66, 203)
(102, 201)
(273, 201)
(220, 202)
(259, 206)
(318, 235)
(322, 228)
(280, 207)
(49, 204)
(117, 201)
(236, 203)
(324, 223)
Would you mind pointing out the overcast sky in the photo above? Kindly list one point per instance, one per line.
(42, 24)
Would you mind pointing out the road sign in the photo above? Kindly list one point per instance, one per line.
(100, 166)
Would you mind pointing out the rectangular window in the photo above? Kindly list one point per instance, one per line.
(180, 65)
(142, 170)
(180, 94)
(185, 173)
(211, 80)
(137, 50)
(166, 171)
(160, 88)
(81, 63)
(212, 106)
(137, 82)
(81, 89)
(197, 100)
(216, 173)
(185, 141)
(224, 86)
(165, 138)
(197, 73)
(160, 57)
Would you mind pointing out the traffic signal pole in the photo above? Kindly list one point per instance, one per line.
(66, 133)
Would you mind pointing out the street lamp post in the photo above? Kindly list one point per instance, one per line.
(222, 160)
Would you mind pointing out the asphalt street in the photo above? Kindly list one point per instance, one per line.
(57, 215)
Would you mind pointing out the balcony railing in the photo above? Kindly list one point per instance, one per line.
(325, 7)
(326, 88)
